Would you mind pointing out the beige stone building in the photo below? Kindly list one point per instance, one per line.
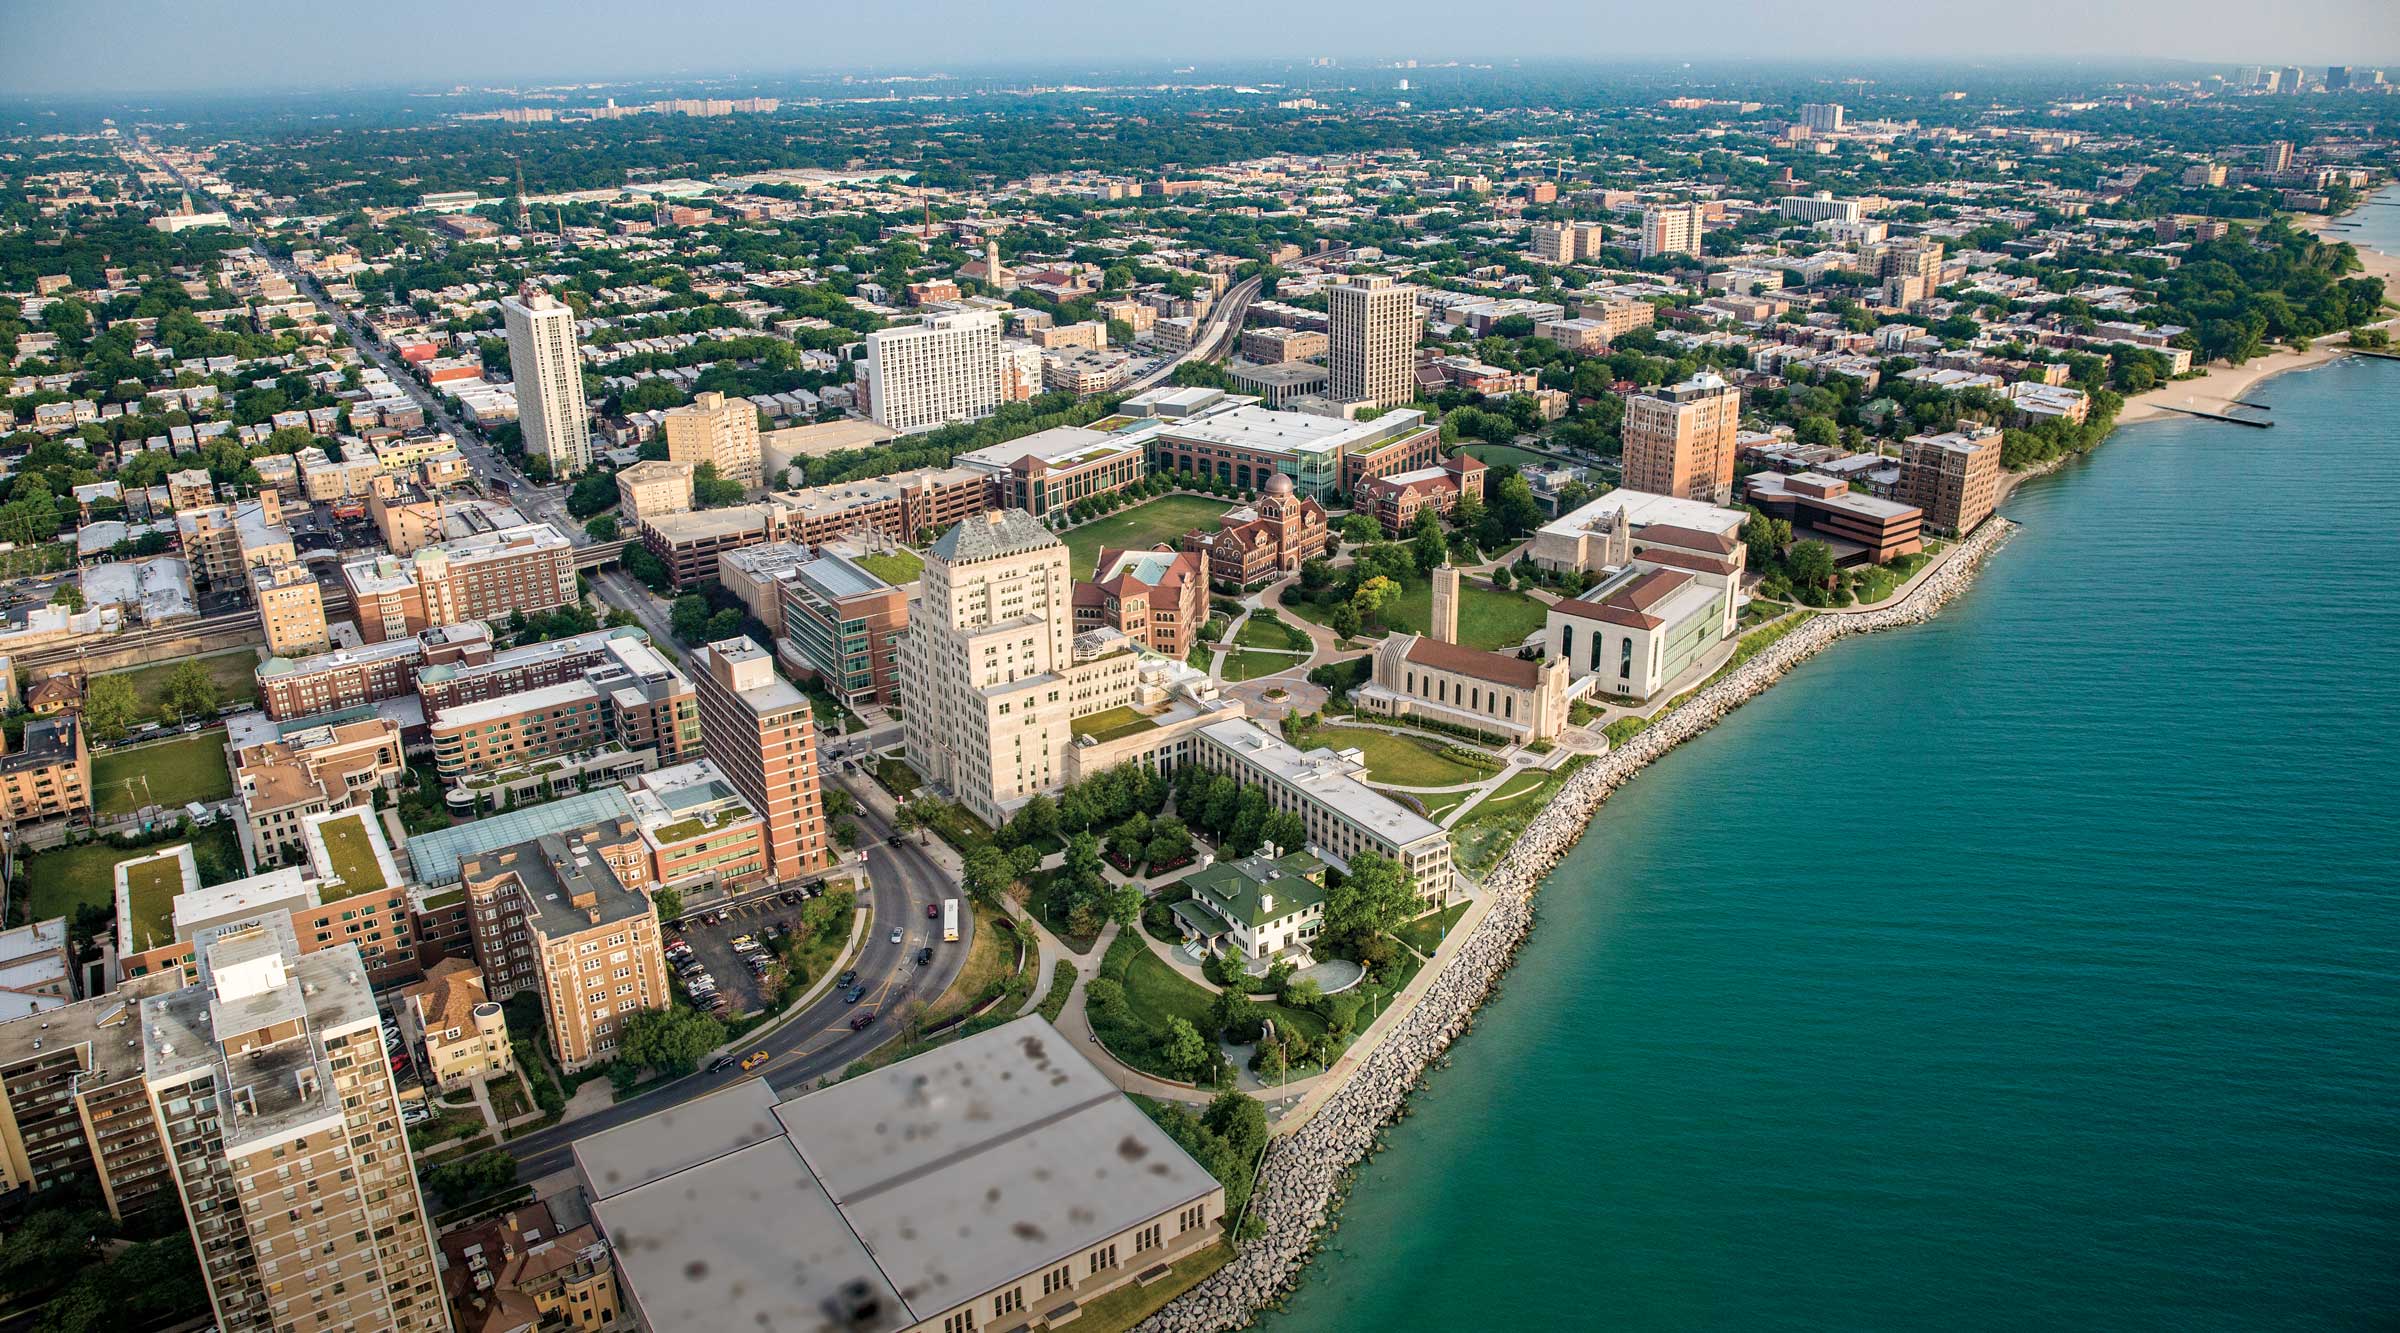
(281, 1124)
(1680, 441)
(291, 608)
(650, 489)
(1673, 229)
(460, 1029)
(992, 675)
(1372, 342)
(224, 542)
(714, 429)
(1344, 815)
(565, 916)
(1496, 693)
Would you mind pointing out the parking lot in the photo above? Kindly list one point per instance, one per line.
(711, 937)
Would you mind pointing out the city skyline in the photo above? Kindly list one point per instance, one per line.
(157, 48)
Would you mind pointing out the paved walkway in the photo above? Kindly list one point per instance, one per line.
(1078, 1031)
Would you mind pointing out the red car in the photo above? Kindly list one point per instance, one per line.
(933, 911)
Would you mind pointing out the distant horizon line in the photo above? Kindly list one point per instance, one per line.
(1200, 69)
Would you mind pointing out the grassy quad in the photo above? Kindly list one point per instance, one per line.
(235, 674)
(1488, 618)
(169, 773)
(1164, 519)
(1246, 664)
(63, 879)
(1399, 761)
(1264, 630)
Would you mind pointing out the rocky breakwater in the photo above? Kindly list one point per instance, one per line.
(1305, 1171)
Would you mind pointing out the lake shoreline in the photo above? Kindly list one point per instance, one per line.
(1307, 1171)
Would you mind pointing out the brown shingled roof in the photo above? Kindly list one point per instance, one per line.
(1498, 668)
(1659, 555)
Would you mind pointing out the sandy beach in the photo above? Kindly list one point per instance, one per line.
(2222, 384)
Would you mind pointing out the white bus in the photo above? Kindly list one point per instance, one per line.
(950, 920)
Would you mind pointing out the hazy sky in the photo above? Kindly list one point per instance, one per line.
(137, 46)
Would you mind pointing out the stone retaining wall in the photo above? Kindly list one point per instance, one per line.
(1306, 1171)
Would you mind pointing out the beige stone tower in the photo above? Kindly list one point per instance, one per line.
(1445, 604)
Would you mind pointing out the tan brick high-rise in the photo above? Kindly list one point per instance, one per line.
(1679, 441)
(1371, 352)
(282, 1129)
(713, 430)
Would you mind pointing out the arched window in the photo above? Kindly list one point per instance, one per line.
(1599, 641)
(1511, 709)
(1625, 660)
(1566, 643)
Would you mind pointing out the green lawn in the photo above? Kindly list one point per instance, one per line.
(1487, 617)
(351, 849)
(1425, 933)
(65, 878)
(1484, 833)
(1508, 454)
(1164, 519)
(1154, 993)
(235, 673)
(187, 768)
(1522, 785)
(1112, 723)
(1245, 664)
(1436, 805)
(1264, 630)
(1132, 1303)
(1401, 761)
(894, 567)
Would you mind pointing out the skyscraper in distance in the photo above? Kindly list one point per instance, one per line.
(549, 374)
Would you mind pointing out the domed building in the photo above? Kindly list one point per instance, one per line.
(1264, 541)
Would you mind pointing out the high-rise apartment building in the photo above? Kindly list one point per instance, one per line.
(281, 1123)
(944, 369)
(72, 1102)
(1679, 440)
(549, 376)
(713, 430)
(291, 608)
(762, 735)
(565, 916)
(488, 576)
(1566, 242)
(1822, 117)
(49, 774)
(1673, 229)
(1954, 477)
(1371, 345)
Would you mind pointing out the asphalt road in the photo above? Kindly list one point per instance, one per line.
(902, 879)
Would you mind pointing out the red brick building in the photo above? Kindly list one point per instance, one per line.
(1158, 599)
(1395, 501)
(1269, 538)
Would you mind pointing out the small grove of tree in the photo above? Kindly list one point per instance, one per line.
(190, 690)
(1226, 1138)
(473, 1177)
(671, 1041)
(109, 707)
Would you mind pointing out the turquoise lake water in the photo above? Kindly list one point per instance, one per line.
(2038, 967)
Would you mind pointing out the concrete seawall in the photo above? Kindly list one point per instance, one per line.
(1306, 1171)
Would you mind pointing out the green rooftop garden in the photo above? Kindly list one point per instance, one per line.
(351, 850)
(1109, 725)
(893, 567)
(151, 889)
(696, 825)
